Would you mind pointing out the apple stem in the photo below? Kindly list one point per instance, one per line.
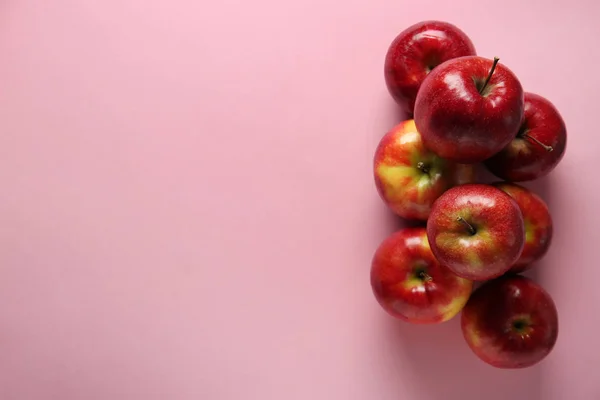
(424, 276)
(496, 59)
(546, 147)
(470, 227)
(422, 167)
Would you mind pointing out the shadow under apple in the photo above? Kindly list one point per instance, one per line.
(393, 222)
(441, 364)
(543, 188)
(444, 367)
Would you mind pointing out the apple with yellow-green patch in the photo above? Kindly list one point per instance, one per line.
(409, 177)
(411, 285)
(538, 224)
(510, 322)
(476, 230)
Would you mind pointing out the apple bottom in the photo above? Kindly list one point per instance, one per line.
(510, 322)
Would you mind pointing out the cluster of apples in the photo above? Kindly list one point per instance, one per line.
(476, 238)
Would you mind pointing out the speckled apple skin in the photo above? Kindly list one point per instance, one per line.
(407, 190)
(460, 124)
(500, 231)
(402, 294)
(539, 227)
(416, 51)
(487, 322)
(523, 159)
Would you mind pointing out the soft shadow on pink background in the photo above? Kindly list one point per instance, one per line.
(187, 208)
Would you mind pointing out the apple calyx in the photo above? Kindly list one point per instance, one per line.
(469, 227)
(487, 80)
(422, 167)
(525, 135)
(520, 326)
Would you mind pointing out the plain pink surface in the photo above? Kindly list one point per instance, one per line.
(188, 212)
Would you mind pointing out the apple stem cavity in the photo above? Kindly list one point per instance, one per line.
(421, 165)
(470, 227)
(487, 80)
(546, 147)
(424, 276)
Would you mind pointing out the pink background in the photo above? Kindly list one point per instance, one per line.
(187, 207)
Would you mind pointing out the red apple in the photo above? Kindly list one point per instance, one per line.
(469, 108)
(416, 51)
(538, 224)
(410, 284)
(408, 177)
(510, 322)
(538, 146)
(476, 230)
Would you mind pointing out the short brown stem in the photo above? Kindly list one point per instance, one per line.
(424, 276)
(470, 227)
(421, 165)
(496, 59)
(545, 146)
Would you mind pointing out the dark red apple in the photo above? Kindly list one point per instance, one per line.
(410, 284)
(538, 224)
(408, 177)
(538, 147)
(469, 108)
(510, 322)
(416, 51)
(476, 230)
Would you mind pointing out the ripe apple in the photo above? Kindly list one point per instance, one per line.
(538, 146)
(410, 284)
(538, 224)
(469, 108)
(476, 230)
(415, 52)
(510, 322)
(408, 177)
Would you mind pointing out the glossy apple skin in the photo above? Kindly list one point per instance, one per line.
(408, 177)
(510, 322)
(538, 224)
(415, 52)
(499, 228)
(524, 159)
(457, 122)
(411, 285)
